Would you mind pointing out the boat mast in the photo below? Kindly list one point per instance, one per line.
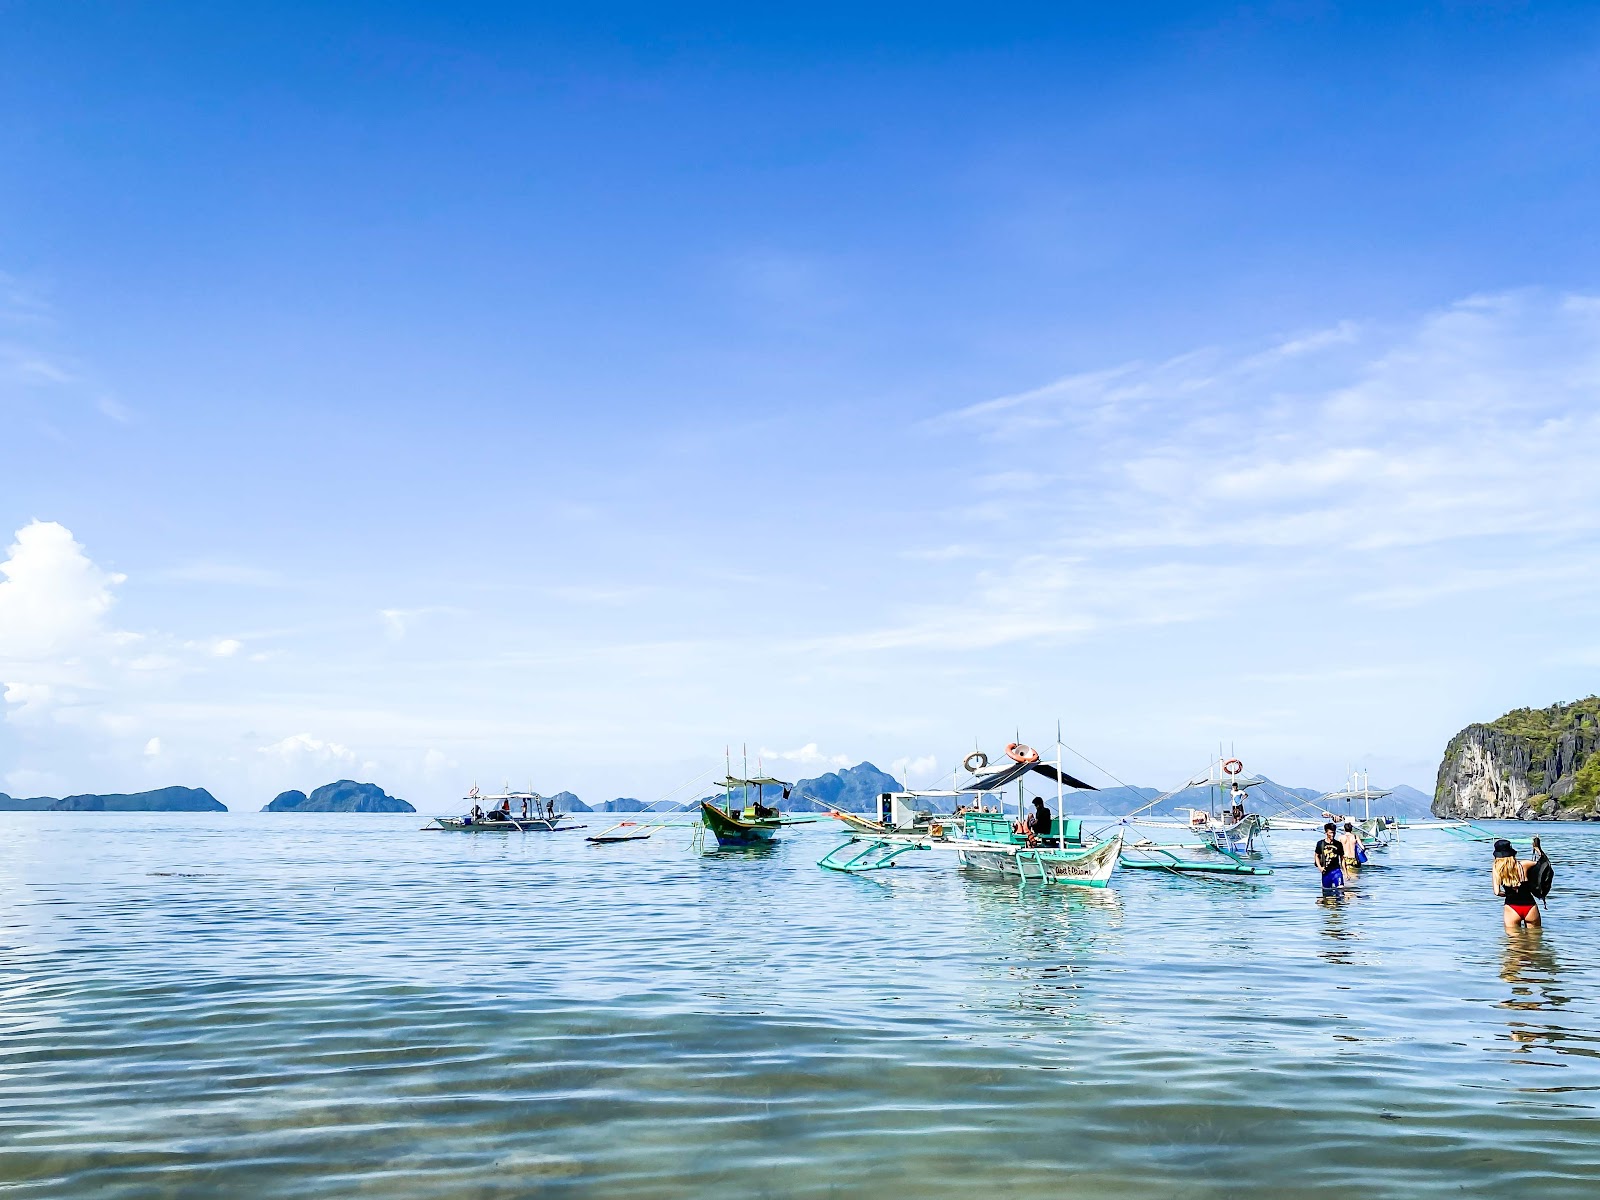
(1061, 812)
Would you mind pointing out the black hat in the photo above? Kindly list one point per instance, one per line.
(1503, 849)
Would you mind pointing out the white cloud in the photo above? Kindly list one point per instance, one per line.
(303, 748)
(225, 647)
(111, 407)
(53, 600)
(397, 622)
(152, 748)
(806, 756)
(231, 574)
(917, 772)
(1345, 456)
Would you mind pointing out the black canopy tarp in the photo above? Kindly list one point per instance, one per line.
(1011, 772)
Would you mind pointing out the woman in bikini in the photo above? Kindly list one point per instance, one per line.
(1511, 883)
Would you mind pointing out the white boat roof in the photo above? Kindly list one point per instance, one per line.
(1355, 794)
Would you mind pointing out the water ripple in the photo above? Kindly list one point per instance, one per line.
(282, 1005)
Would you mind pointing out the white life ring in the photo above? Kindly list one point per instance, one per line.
(1019, 753)
(976, 761)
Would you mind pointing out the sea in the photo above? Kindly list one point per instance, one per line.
(344, 1005)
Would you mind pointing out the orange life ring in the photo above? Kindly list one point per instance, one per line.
(1232, 767)
(1019, 753)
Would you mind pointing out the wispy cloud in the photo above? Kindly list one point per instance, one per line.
(1211, 472)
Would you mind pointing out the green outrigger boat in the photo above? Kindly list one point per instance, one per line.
(750, 822)
(984, 838)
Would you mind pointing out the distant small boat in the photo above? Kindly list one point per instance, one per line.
(537, 815)
(558, 824)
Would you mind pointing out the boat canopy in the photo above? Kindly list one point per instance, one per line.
(760, 781)
(1355, 794)
(1011, 772)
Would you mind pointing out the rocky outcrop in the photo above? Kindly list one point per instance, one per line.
(854, 789)
(344, 796)
(1531, 764)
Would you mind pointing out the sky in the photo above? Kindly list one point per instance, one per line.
(434, 394)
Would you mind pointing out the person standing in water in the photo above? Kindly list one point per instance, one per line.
(1355, 854)
(1511, 882)
(1328, 854)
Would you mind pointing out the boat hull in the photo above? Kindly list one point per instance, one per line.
(1090, 866)
(738, 831)
(515, 825)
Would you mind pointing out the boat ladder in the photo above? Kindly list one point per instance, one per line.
(1025, 856)
(874, 856)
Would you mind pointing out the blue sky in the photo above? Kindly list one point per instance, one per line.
(431, 396)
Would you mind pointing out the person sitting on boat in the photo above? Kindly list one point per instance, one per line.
(761, 810)
(477, 812)
(1037, 826)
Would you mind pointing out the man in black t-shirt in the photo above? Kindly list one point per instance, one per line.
(1329, 857)
(1039, 821)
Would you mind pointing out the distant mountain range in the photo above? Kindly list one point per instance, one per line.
(853, 789)
(168, 799)
(856, 789)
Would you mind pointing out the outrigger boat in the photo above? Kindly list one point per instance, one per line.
(752, 822)
(982, 837)
(1225, 824)
(540, 815)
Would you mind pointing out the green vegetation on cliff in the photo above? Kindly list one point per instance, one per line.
(1542, 730)
(1585, 786)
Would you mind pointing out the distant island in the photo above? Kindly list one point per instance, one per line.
(345, 795)
(1533, 764)
(167, 799)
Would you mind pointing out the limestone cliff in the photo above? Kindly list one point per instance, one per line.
(1531, 764)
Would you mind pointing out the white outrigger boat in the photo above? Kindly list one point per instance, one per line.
(983, 837)
(1226, 824)
(527, 812)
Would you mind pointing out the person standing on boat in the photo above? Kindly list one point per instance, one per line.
(1511, 883)
(1329, 857)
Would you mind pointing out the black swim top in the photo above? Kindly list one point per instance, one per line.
(1520, 894)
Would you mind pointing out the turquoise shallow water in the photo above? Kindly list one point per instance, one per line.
(293, 1005)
